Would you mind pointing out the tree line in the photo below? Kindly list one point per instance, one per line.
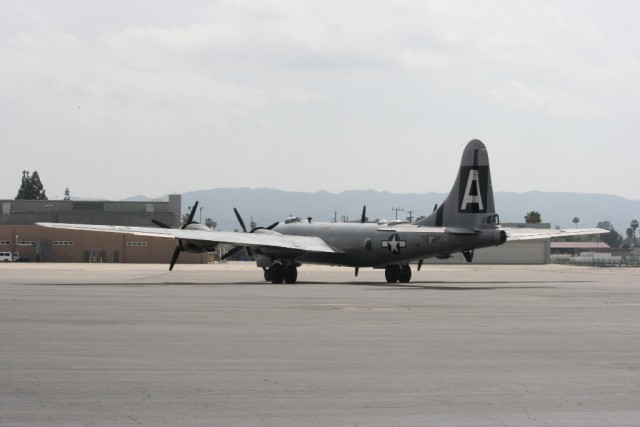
(613, 238)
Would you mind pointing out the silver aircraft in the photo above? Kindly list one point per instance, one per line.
(465, 221)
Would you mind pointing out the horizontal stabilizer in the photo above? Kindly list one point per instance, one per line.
(514, 233)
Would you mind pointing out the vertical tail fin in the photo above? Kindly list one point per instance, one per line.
(470, 202)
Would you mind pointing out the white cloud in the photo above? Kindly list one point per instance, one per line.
(259, 75)
(46, 72)
(555, 102)
(301, 95)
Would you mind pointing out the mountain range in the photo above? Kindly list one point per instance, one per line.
(266, 205)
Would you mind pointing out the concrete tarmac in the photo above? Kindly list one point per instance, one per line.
(135, 345)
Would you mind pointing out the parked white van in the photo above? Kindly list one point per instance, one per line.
(5, 257)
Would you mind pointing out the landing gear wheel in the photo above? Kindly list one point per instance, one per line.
(290, 275)
(405, 274)
(392, 273)
(277, 274)
(267, 274)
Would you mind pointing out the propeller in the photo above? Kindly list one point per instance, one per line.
(236, 249)
(178, 249)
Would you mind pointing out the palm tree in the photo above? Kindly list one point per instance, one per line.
(634, 225)
(576, 220)
(533, 217)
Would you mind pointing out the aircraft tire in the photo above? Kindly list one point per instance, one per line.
(405, 274)
(277, 274)
(290, 275)
(267, 274)
(392, 273)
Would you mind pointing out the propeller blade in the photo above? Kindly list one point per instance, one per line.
(357, 270)
(193, 213)
(244, 228)
(363, 219)
(174, 258)
(160, 224)
(253, 230)
(232, 252)
(249, 252)
(435, 207)
(420, 264)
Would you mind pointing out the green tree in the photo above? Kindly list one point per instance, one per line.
(533, 217)
(37, 188)
(31, 187)
(210, 223)
(23, 191)
(630, 240)
(612, 238)
(634, 225)
(576, 220)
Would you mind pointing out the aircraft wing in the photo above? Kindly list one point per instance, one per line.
(517, 233)
(513, 233)
(256, 240)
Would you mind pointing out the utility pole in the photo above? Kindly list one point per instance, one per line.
(397, 210)
(410, 216)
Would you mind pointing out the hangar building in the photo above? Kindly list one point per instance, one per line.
(19, 235)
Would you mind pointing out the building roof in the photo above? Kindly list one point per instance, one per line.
(579, 245)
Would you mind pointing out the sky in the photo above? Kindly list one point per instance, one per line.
(118, 98)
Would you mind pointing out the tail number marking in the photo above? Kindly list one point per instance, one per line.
(473, 186)
(473, 196)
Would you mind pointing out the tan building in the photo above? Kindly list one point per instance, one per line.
(19, 235)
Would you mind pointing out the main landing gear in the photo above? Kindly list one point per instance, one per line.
(398, 273)
(279, 273)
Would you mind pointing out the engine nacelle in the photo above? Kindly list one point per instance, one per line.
(196, 246)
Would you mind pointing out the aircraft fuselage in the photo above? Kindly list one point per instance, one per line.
(374, 245)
